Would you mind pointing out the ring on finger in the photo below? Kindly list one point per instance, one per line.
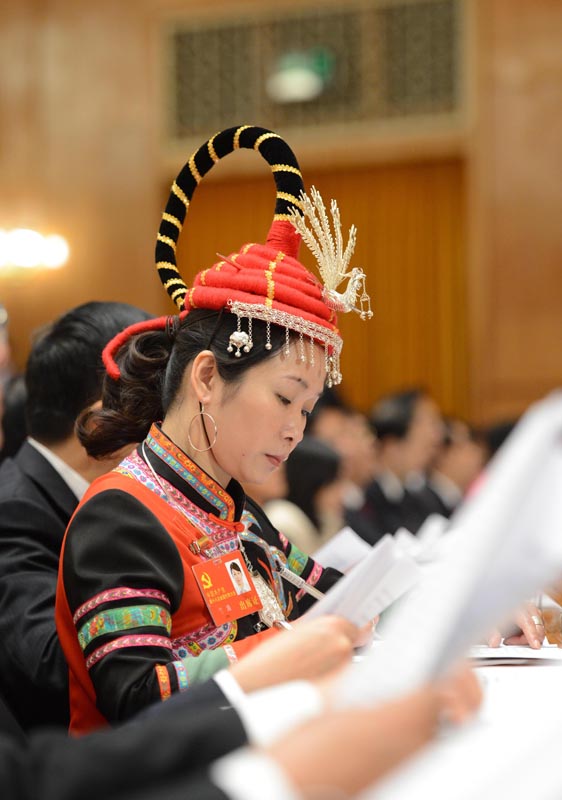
(537, 620)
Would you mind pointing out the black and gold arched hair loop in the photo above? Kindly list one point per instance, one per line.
(285, 170)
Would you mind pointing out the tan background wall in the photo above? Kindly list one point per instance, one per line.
(515, 267)
(465, 303)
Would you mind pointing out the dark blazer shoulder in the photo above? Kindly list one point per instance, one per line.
(30, 477)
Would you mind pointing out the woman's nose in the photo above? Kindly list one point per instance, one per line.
(294, 430)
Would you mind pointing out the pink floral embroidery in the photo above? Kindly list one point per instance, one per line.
(127, 641)
(120, 593)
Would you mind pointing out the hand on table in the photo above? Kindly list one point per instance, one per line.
(531, 630)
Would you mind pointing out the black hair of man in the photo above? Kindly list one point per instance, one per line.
(64, 371)
(392, 415)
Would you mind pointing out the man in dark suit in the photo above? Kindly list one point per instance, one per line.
(408, 429)
(39, 490)
(459, 461)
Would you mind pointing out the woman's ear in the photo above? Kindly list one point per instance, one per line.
(204, 376)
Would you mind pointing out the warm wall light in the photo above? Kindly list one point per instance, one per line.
(25, 248)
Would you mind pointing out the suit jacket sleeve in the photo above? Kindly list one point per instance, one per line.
(167, 755)
(33, 669)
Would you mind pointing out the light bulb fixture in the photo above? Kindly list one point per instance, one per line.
(23, 248)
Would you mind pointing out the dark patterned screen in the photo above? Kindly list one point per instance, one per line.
(379, 60)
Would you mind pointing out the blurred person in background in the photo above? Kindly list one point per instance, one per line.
(458, 462)
(408, 427)
(494, 435)
(6, 369)
(40, 487)
(349, 433)
(14, 425)
(313, 510)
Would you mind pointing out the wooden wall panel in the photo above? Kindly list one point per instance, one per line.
(515, 270)
(78, 154)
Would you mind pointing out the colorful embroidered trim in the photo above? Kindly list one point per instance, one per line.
(145, 640)
(297, 560)
(181, 674)
(119, 593)
(312, 579)
(190, 473)
(115, 620)
(163, 681)
(209, 637)
(224, 539)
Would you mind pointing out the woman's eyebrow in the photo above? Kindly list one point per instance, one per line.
(303, 383)
(298, 379)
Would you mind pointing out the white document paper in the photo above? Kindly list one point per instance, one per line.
(343, 551)
(511, 750)
(512, 654)
(504, 545)
(383, 576)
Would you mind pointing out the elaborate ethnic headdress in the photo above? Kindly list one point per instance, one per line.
(264, 281)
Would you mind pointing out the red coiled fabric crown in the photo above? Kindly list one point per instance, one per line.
(260, 281)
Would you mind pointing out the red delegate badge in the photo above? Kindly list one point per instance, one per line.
(227, 588)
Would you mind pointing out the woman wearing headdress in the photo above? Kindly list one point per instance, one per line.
(216, 396)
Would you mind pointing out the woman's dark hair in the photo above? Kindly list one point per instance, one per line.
(152, 366)
(234, 567)
(312, 465)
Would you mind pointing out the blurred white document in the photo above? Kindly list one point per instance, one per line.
(515, 654)
(343, 551)
(432, 529)
(505, 545)
(383, 576)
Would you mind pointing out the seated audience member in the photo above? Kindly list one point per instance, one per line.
(458, 462)
(39, 489)
(313, 509)
(217, 395)
(408, 429)
(281, 741)
(495, 435)
(348, 431)
(14, 425)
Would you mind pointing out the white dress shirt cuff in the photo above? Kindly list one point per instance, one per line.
(269, 713)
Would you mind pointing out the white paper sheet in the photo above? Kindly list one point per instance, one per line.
(512, 749)
(343, 551)
(511, 654)
(383, 576)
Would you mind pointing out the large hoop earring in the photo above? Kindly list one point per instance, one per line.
(202, 413)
